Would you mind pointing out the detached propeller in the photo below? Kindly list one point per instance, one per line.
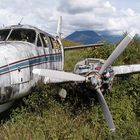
(119, 49)
(95, 80)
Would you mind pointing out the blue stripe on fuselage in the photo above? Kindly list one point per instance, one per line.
(31, 62)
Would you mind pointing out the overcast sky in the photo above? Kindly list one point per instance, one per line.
(116, 16)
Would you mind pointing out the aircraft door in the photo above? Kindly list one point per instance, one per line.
(47, 50)
(41, 54)
(56, 56)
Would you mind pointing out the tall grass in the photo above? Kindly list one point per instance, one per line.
(43, 115)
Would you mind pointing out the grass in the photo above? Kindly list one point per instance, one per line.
(43, 115)
(56, 119)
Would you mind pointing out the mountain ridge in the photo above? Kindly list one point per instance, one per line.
(90, 36)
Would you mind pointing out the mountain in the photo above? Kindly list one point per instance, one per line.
(107, 36)
(84, 37)
(89, 37)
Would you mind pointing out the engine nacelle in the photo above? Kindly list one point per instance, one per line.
(90, 67)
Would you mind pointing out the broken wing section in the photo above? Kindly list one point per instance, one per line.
(54, 76)
(83, 46)
(126, 69)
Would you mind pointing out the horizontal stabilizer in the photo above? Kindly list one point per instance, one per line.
(54, 76)
(83, 46)
(126, 69)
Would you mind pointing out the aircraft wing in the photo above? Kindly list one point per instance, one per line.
(83, 46)
(54, 76)
(126, 69)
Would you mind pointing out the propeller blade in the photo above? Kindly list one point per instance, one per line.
(126, 69)
(105, 110)
(119, 49)
(59, 75)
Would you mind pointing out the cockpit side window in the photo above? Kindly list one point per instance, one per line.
(27, 35)
(3, 34)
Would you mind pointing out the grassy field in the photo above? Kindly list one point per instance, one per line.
(42, 115)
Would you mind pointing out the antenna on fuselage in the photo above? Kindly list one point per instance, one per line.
(20, 21)
(59, 27)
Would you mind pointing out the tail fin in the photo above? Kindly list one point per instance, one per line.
(59, 27)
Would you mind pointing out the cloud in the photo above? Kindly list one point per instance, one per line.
(77, 6)
(77, 15)
(109, 6)
(101, 15)
(33, 12)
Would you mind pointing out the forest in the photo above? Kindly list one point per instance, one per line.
(44, 116)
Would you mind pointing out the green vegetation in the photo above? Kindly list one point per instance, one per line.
(67, 43)
(42, 115)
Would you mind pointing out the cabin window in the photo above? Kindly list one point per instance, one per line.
(4, 34)
(26, 35)
(55, 43)
(44, 40)
(39, 44)
(58, 44)
(54, 46)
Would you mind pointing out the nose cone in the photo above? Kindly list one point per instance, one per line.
(5, 87)
(10, 52)
(3, 62)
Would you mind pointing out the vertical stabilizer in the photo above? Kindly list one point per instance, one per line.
(59, 27)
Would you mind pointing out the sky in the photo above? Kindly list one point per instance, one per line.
(115, 16)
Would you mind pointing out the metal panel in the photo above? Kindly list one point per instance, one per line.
(17, 58)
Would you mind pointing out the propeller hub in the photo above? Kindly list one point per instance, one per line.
(95, 80)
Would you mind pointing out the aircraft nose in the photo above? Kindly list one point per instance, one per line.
(5, 80)
(4, 68)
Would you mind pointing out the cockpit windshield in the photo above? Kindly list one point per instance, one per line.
(27, 35)
(4, 34)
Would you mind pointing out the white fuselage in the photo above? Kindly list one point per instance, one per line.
(17, 60)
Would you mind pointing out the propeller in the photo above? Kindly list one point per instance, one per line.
(120, 48)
